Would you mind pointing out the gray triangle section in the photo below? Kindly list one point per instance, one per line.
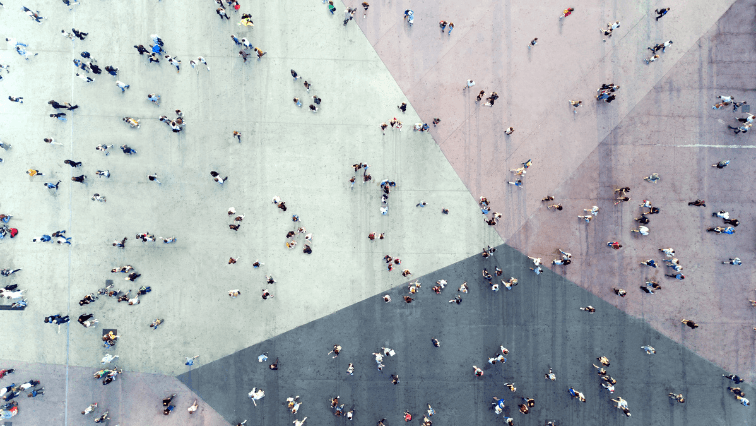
(538, 321)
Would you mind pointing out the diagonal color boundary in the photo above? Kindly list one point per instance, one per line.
(538, 321)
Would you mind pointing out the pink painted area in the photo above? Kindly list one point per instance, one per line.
(579, 158)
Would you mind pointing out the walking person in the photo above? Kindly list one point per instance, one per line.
(121, 85)
(661, 12)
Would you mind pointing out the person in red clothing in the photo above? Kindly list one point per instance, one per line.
(614, 244)
(407, 416)
(567, 12)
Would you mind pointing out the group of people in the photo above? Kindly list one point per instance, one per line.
(8, 394)
(745, 123)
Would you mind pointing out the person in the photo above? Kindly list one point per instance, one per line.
(690, 323)
(661, 12)
(217, 178)
(576, 394)
(409, 15)
(89, 409)
(167, 400)
(677, 397)
(550, 375)
(478, 372)
(102, 418)
(567, 12)
(650, 262)
(193, 407)
(721, 230)
(735, 378)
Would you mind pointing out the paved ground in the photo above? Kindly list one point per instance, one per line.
(538, 321)
(133, 398)
(305, 159)
(285, 151)
(662, 122)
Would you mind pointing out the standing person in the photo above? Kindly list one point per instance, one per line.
(153, 178)
(365, 5)
(222, 13)
(451, 27)
(533, 42)
(409, 15)
(469, 84)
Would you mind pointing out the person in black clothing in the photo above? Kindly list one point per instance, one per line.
(127, 150)
(141, 49)
(79, 34)
(661, 12)
(56, 105)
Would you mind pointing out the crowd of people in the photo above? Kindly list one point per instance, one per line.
(298, 234)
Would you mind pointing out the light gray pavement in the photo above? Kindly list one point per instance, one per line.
(304, 158)
(659, 108)
(132, 399)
